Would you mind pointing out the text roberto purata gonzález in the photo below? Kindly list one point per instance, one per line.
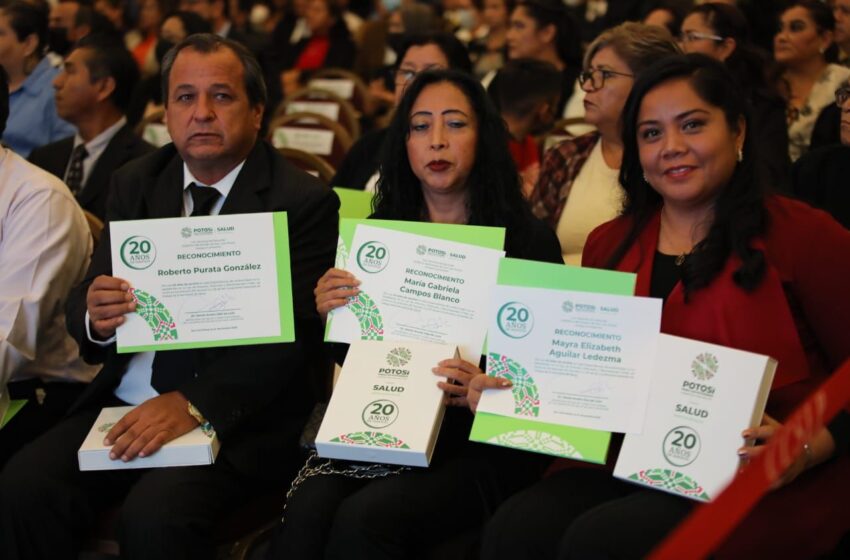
(208, 269)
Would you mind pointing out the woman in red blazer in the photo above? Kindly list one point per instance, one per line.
(735, 267)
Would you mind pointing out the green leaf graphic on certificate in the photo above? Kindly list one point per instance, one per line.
(540, 442)
(374, 439)
(368, 315)
(155, 314)
(672, 481)
(526, 395)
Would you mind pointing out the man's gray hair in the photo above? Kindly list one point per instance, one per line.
(207, 43)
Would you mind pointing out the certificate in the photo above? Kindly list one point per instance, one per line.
(416, 287)
(204, 281)
(579, 357)
(703, 395)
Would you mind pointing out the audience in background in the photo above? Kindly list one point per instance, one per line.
(32, 118)
(841, 12)
(146, 98)
(527, 96)
(804, 49)
(821, 176)
(142, 40)
(721, 32)
(329, 45)
(544, 30)
(489, 51)
(578, 188)
(92, 93)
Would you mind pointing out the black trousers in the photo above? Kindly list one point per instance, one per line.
(582, 514)
(407, 515)
(47, 506)
(36, 417)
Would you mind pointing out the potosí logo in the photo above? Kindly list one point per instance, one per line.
(397, 358)
(705, 366)
(567, 306)
(138, 252)
(186, 232)
(421, 250)
(515, 319)
(373, 256)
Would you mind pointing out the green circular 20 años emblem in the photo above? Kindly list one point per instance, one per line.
(373, 256)
(138, 252)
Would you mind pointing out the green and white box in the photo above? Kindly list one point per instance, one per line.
(578, 350)
(703, 396)
(204, 281)
(198, 447)
(386, 406)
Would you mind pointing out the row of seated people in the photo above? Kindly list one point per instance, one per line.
(792, 85)
(476, 187)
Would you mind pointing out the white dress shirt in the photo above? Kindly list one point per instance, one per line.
(45, 245)
(94, 148)
(135, 387)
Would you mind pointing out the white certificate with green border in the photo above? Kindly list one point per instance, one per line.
(419, 281)
(579, 351)
(205, 281)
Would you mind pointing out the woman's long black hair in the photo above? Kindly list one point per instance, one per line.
(493, 186)
(739, 210)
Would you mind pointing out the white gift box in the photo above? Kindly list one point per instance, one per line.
(702, 397)
(198, 447)
(386, 406)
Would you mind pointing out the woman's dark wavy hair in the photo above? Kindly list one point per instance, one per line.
(750, 67)
(739, 210)
(553, 12)
(493, 186)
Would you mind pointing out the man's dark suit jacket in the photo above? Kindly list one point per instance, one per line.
(256, 397)
(123, 147)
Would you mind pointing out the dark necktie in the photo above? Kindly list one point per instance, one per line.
(75, 170)
(173, 368)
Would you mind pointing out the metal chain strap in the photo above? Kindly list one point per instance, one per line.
(315, 466)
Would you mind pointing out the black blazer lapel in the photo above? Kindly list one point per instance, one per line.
(54, 158)
(254, 178)
(164, 198)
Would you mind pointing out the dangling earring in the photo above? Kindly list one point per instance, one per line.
(645, 180)
(740, 155)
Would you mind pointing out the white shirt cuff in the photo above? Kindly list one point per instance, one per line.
(106, 342)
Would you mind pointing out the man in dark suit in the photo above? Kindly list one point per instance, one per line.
(92, 93)
(255, 397)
